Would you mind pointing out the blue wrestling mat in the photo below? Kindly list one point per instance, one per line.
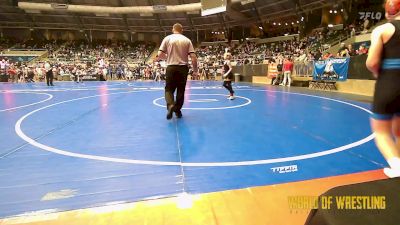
(83, 145)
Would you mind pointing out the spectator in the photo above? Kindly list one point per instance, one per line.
(317, 55)
(365, 26)
(351, 51)
(279, 68)
(12, 72)
(362, 50)
(353, 32)
(287, 72)
(327, 55)
(31, 75)
(343, 50)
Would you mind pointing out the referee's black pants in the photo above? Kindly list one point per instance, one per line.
(176, 77)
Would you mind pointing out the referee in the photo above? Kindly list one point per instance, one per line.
(176, 48)
(49, 74)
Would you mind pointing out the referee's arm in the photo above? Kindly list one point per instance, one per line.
(162, 52)
(161, 55)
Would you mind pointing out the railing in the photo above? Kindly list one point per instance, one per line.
(303, 69)
(213, 43)
(17, 53)
(27, 49)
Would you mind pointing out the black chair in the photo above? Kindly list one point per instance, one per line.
(317, 83)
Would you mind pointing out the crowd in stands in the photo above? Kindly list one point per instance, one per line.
(303, 52)
(99, 71)
(211, 57)
(119, 51)
(123, 60)
(107, 60)
(6, 43)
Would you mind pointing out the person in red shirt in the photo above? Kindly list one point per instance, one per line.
(362, 50)
(327, 55)
(12, 72)
(287, 71)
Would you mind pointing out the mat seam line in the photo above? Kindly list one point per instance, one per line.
(180, 156)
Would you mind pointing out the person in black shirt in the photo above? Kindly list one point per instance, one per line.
(317, 55)
(228, 75)
(384, 62)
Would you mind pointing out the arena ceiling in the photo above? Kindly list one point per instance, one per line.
(261, 12)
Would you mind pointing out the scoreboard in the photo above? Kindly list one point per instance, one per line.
(209, 7)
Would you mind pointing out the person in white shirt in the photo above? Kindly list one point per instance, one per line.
(3, 64)
(104, 71)
(79, 75)
(176, 48)
(39, 72)
(101, 63)
(61, 71)
(158, 75)
(49, 74)
(129, 75)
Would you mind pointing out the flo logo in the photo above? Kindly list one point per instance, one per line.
(285, 169)
(370, 15)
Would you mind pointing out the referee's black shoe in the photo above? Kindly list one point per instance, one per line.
(178, 114)
(170, 112)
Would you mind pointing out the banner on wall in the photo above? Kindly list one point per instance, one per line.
(338, 67)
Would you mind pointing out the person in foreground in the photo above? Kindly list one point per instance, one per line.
(175, 49)
(384, 62)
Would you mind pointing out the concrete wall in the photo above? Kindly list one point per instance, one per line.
(363, 38)
(359, 87)
(23, 53)
(350, 86)
(70, 35)
(275, 39)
